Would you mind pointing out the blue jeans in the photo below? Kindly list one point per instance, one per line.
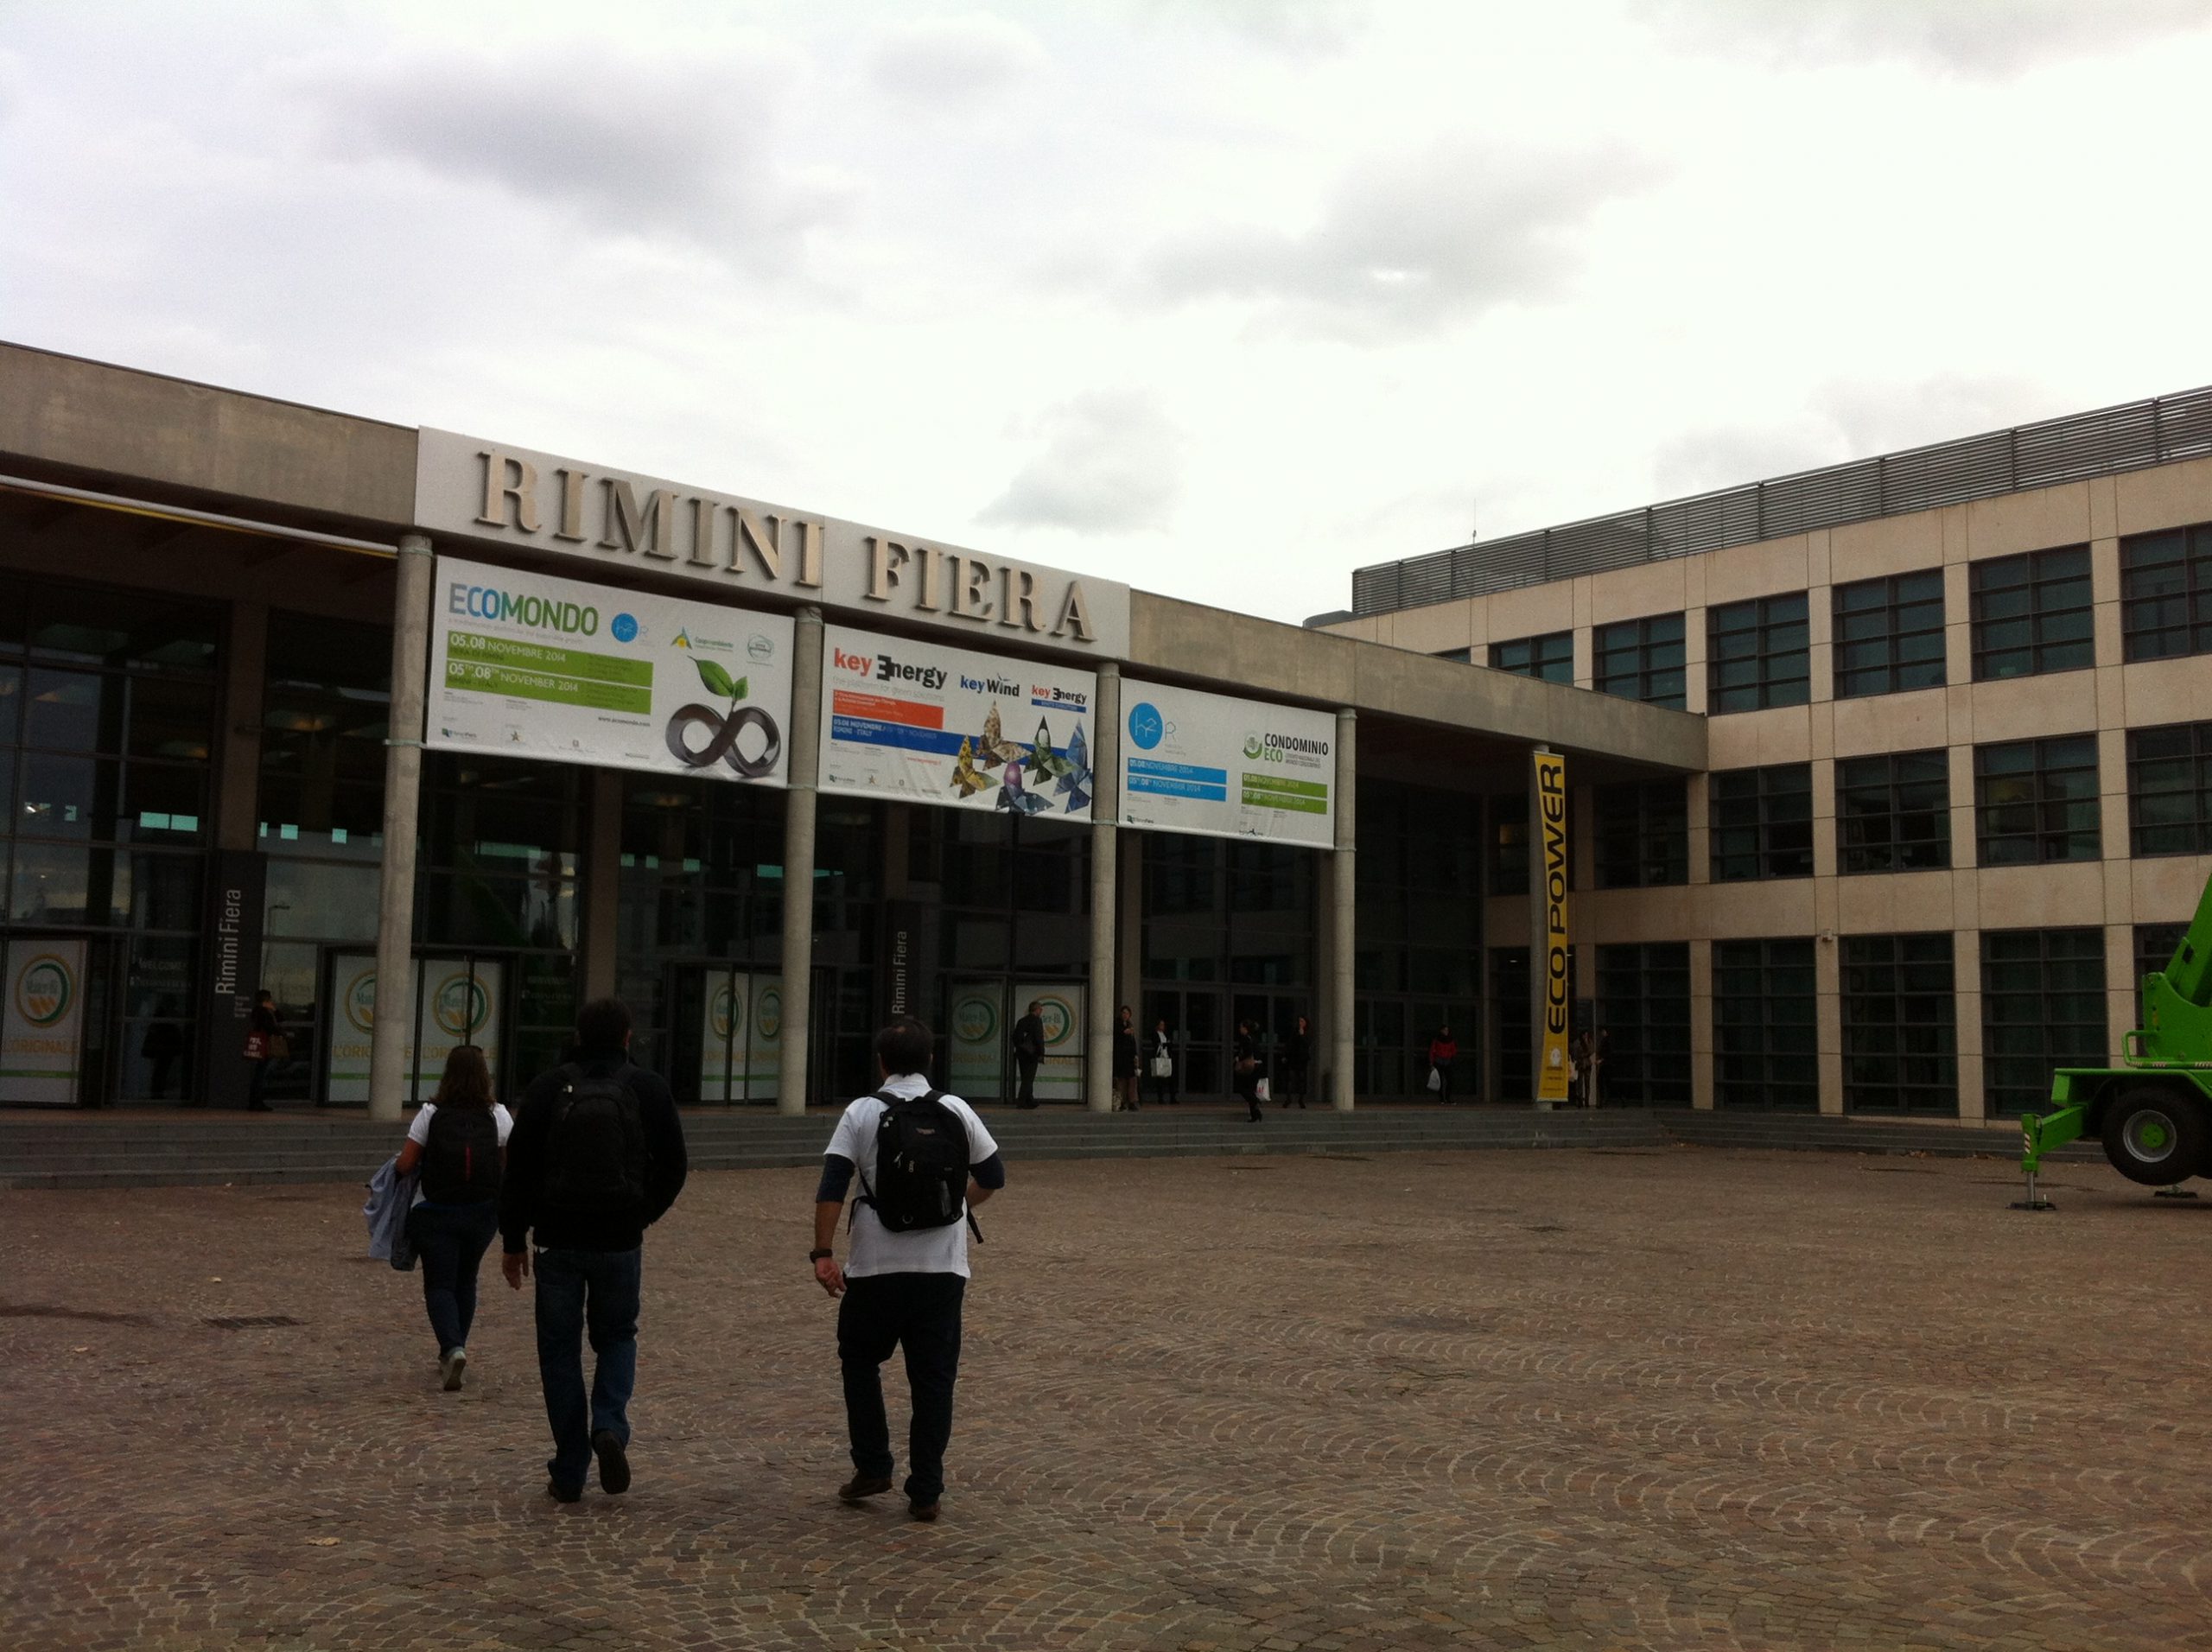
(450, 1240)
(581, 1292)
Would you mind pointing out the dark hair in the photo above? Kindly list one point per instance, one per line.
(603, 1024)
(902, 1047)
(467, 1081)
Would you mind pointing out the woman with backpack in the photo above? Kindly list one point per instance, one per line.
(458, 1139)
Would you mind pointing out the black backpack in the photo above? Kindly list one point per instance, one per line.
(921, 1165)
(595, 1156)
(461, 1162)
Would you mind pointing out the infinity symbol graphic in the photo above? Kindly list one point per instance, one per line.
(722, 747)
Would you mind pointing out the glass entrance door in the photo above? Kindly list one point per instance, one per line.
(1197, 1027)
(1272, 1018)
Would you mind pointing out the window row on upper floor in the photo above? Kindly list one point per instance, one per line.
(2035, 801)
(2028, 614)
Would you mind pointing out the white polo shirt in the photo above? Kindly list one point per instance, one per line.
(875, 1249)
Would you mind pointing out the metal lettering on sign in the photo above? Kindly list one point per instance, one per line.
(1555, 1007)
(483, 491)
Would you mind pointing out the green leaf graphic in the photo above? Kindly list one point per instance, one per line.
(716, 679)
(737, 690)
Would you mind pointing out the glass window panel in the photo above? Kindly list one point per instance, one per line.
(72, 711)
(108, 626)
(67, 797)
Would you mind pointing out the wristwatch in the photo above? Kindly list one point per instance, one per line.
(816, 1256)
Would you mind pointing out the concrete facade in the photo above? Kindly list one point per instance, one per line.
(2113, 893)
(263, 510)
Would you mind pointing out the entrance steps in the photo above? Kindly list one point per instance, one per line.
(180, 1148)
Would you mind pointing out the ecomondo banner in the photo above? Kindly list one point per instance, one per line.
(452, 1004)
(1227, 767)
(1060, 1006)
(530, 665)
(976, 1021)
(966, 730)
(42, 1021)
(740, 1057)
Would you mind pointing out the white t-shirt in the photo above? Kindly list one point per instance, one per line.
(927, 1250)
(419, 1131)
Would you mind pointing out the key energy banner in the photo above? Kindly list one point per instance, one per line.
(1208, 762)
(917, 721)
(530, 665)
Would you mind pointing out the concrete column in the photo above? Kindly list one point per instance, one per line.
(602, 872)
(1129, 892)
(238, 785)
(804, 742)
(403, 785)
(1105, 866)
(1343, 890)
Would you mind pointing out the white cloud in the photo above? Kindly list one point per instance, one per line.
(1969, 37)
(1112, 463)
(679, 143)
(1412, 244)
(951, 64)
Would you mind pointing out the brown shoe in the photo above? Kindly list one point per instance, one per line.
(924, 1510)
(862, 1485)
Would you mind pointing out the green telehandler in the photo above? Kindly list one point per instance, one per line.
(2153, 1113)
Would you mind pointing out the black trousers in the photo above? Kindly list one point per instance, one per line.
(919, 1312)
(1025, 1088)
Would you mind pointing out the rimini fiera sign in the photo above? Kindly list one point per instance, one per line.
(615, 520)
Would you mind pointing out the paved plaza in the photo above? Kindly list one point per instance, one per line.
(1654, 1397)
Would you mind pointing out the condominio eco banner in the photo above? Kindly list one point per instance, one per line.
(530, 665)
(1210, 763)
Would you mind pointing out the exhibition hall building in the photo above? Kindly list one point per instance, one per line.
(1865, 790)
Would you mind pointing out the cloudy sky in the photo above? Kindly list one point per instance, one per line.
(1222, 298)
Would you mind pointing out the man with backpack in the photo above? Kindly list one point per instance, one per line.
(923, 1161)
(595, 1158)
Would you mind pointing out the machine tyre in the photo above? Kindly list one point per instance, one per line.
(2158, 1134)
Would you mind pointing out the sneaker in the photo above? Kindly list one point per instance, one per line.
(923, 1511)
(560, 1493)
(613, 1463)
(862, 1486)
(451, 1365)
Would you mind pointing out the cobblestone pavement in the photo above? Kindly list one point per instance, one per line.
(1664, 1397)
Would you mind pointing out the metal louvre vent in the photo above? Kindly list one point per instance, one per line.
(2102, 443)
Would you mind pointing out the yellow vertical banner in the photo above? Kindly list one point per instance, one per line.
(1553, 1008)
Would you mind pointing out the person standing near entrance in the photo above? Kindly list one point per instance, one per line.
(262, 1035)
(1246, 1063)
(1443, 1051)
(459, 1138)
(596, 1159)
(1159, 1064)
(1125, 1062)
(1028, 1051)
(923, 1161)
(1297, 1055)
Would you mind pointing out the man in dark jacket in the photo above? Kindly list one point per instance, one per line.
(1028, 1051)
(595, 1158)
